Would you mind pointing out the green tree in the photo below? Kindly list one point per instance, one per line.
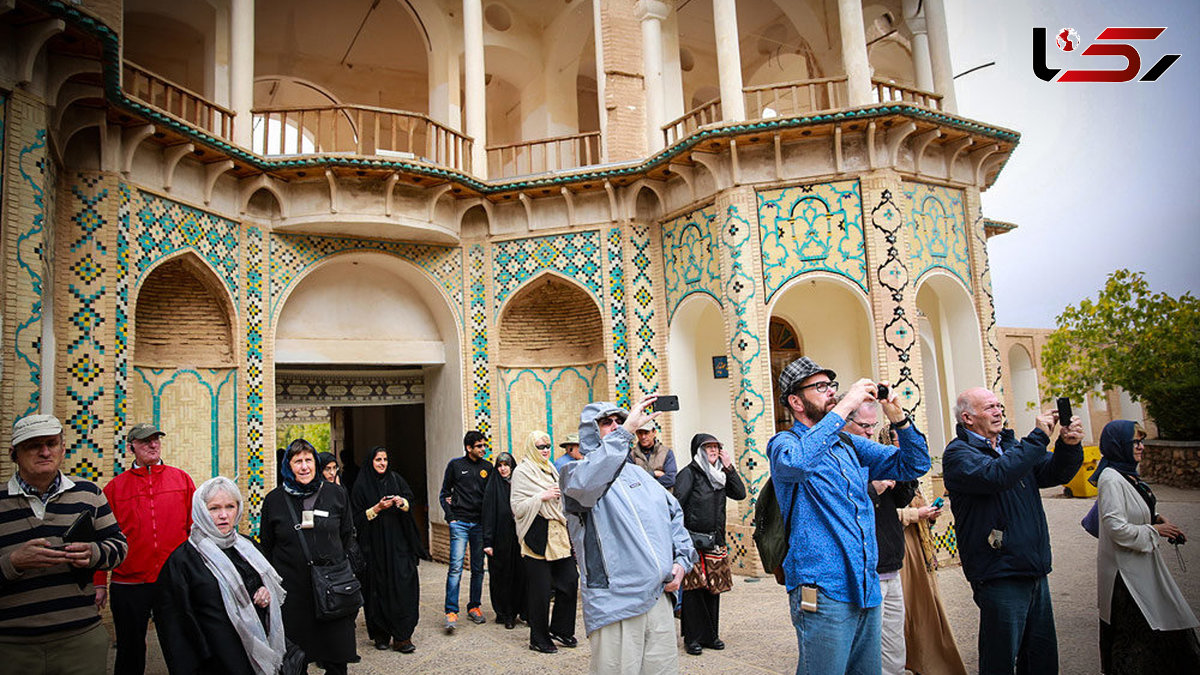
(1145, 343)
(317, 434)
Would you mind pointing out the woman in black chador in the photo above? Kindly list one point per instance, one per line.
(501, 545)
(387, 534)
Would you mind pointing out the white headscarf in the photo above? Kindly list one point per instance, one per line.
(716, 476)
(264, 651)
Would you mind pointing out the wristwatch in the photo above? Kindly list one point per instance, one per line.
(903, 423)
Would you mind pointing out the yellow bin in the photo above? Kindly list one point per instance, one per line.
(1079, 485)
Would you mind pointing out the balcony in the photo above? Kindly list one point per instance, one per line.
(793, 99)
(177, 101)
(359, 130)
(543, 155)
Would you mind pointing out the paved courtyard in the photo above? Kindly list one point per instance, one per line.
(754, 616)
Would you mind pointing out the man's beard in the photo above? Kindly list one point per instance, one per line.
(814, 411)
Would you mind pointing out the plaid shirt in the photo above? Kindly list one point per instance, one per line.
(33, 492)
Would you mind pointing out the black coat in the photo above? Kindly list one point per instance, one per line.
(194, 631)
(889, 532)
(505, 568)
(703, 505)
(331, 641)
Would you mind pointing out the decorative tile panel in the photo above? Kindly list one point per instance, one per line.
(899, 333)
(36, 177)
(121, 342)
(617, 308)
(811, 228)
(548, 399)
(256, 321)
(293, 254)
(293, 389)
(196, 408)
(937, 230)
(691, 263)
(159, 227)
(575, 256)
(481, 371)
(642, 317)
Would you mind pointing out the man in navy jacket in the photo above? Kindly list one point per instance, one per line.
(1003, 541)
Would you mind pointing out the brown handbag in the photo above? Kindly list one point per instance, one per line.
(695, 578)
(717, 570)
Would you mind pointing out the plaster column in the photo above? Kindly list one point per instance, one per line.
(914, 16)
(854, 52)
(939, 52)
(651, 13)
(241, 69)
(476, 93)
(729, 61)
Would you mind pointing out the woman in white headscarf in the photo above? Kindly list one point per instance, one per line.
(217, 599)
(550, 569)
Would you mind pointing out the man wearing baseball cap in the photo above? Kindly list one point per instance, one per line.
(820, 475)
(49, 622)
(657, 459)
(153, 504)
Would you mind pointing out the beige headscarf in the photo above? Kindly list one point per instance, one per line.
(533, 476)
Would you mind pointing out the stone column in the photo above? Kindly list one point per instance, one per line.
(729, 61)
(749, 361)
(914, 16)
(854, 52)
(476, 91)
(939, 51)
(241, 69)
(620, 86)
(651, 13)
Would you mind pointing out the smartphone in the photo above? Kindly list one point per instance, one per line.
(1064, 411)
(881, 392)
(665, 403)
(937, 503)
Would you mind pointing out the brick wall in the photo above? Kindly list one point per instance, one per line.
(551, 323)
(624, 89)
(180, 320)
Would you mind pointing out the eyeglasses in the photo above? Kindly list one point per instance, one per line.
(479, 445)
(821, 387)
(542, 446)
(866, 427)
(1139, 441)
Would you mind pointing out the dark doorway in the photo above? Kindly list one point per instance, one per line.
(400, 429)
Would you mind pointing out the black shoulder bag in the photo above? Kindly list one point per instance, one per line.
(337, 593)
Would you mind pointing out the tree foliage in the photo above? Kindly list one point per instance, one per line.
(316, 433)
(1145, 343)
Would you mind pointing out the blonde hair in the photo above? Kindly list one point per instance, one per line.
(530, 453)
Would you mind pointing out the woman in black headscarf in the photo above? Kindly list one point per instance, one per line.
(501, 545)
(323, 512)
(1146, 625)
(328, 465)
(382, 503)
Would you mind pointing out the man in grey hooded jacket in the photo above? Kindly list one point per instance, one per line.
(629, 539)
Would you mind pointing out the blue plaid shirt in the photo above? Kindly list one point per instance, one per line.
(832, 540)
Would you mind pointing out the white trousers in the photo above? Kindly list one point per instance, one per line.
(891, 627)
(639, 645)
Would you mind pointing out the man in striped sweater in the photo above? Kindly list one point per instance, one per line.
(49, 622)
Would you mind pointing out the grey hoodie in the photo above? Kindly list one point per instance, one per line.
(626, 537)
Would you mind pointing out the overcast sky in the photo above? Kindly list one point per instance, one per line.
(1106, 175)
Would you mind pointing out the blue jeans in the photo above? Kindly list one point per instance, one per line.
(462, 533)
(1016, 616)
(839, 637)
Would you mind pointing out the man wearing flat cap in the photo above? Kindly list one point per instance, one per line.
(153, 504)
(54, 531)
(820, 475)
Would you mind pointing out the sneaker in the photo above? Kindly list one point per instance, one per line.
(476, 615)
(404, 646)
(451, 621)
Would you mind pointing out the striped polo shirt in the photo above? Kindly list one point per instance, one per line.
(52, 602)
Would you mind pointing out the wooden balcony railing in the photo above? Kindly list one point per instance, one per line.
(885, 92)
(543, 154)
(799, 97)
(179, 102)
(691, 121)
(359, 130)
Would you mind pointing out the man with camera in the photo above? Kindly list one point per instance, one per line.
(1000, 526)
(820, 475)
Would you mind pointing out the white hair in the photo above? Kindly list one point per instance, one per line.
(963, 405)
(214, 486)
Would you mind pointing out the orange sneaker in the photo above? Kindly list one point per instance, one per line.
(476, 615)
(451, 621)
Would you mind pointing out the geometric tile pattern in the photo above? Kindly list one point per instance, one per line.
(575, 255)
(121, 341)
(642, 318)
(256, 452)
(196, 407)
(937, 230)
(690, 260)
(481, 370)
(292, 254)
(549, 399)
(892, 274)
(811, 228)
(37, 176)
(745, 347)
(159, 227)
(85, 256)
(620, 330)
(984, 300)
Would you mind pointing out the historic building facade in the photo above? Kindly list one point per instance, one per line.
(412, 218)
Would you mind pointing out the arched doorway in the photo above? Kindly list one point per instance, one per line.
(785, 348)
(551, 359)
(952, 353)
(370, 338)
(1024, 378)
(696, 337)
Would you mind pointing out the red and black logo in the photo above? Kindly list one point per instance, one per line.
(1110, 42)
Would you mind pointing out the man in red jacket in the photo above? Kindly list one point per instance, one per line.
(153, 505)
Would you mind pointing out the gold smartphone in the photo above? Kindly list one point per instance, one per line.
(808, 598)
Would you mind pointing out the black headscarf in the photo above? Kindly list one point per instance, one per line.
(290, 484)
(505, 458)
(377, 485)
(1116, 451)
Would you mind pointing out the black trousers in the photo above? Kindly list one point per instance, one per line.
(131, 609)
(700, 617)
(543, 579)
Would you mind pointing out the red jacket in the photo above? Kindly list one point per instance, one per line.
(153, 506)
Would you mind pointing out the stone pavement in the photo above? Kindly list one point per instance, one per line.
(754, 616)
